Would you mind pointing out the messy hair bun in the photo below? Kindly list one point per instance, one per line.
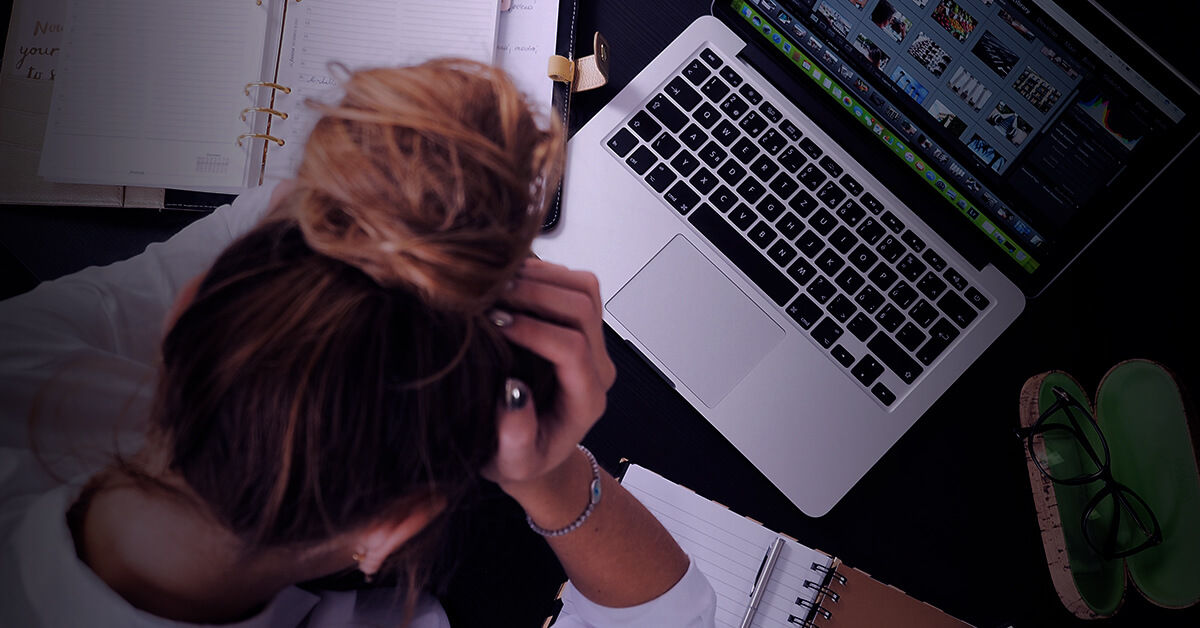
(434, 178)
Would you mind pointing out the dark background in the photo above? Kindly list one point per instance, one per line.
(947, 514)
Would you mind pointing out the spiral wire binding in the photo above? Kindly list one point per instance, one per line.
(800, 621)
(816, 586)
(813, 607)
(830, 572)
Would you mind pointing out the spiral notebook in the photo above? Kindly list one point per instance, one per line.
(803, 587)
(209, 96)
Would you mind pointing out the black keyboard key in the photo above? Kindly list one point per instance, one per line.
(843, 356)
(742, 216)
(895, 358)
(831, 166)
(871, 231)
(734, 106)
(850, 281)
(704, 180)
(764, 167)
(890, 249)
(665, 145)
(956, 309)
(810, 148)
(861, 326)
(863, 258)
(804, 311)
(851, 212)
(732, 77)
(852, 186)
(641, 159)
(792, 159)
(790, 226)
(883, 277)
(803, 203)
(910, 336)
(782, 253)
(693, 137)
(696, 72)
(869, 299)
(682, 198)
(791, 130)
(743, 255)
(660, 177)
(745, 150)
(762, 234)
(823, 221)
(830, 263)
(662, 108)
(683, 93)
(706, 115)
(731, 172)
(976, 298)
(831, 195)
(843, 240)
(911, 267)
(772, 141)
(903, 295)
(751, 94)
(867, 370)
(770, 112)
(931, 286)
(685, 163)
(726, 133)
(884, 395)
(713, 154)
(940, 337)
(935, 261)
(956, 279)
(892, 222)
(770, 208)
(872, 203)
(810, 244)
(811, 176)
(826, 332)
(644, 125)
(711, 58)
(923, 313)
(784, 185)
(913, 241)
(822, 290)
(802, 271)
(753, 124)
(842, 308)
(890, 317)
(622, 142)
(751, 189)
(723, 198)
(715, 89)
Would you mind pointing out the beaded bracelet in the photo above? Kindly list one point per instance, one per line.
(593, 499)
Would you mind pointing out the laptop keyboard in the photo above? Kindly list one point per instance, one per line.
(865, 288)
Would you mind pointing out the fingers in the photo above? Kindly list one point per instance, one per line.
(568, 349)
(554, 274)
(517, 433)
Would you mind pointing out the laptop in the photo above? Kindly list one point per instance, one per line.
(811, 216)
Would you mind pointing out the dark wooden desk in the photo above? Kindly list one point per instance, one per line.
(946, 515)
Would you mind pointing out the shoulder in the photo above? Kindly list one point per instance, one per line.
(373, 607)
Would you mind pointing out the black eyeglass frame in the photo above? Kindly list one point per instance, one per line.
(1065, 401)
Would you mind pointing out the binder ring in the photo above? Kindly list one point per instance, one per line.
(830, 572)
(833, 595)
(259, 136)
(281, 115)
(277, 86)
(813, 606)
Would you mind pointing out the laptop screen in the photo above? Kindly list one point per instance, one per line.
(1011, 111)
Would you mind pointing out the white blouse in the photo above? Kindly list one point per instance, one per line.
(77, 372)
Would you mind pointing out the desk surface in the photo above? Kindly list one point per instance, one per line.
(947, 514)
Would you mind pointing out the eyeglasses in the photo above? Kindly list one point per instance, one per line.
(1068, 447)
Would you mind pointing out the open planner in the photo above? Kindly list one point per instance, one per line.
(800, 586)
(210, 96)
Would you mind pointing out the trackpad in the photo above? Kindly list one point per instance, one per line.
(700, 325)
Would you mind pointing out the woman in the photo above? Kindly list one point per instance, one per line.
(308, 381)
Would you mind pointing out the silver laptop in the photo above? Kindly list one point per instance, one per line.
(812, 216)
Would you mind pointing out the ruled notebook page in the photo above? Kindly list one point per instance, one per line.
(728, 548)
(366, 34)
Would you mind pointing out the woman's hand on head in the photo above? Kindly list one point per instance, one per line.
(561, 321)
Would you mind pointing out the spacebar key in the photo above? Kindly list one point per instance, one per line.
(738, 249)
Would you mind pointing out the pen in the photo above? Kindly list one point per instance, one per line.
(760, 581)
